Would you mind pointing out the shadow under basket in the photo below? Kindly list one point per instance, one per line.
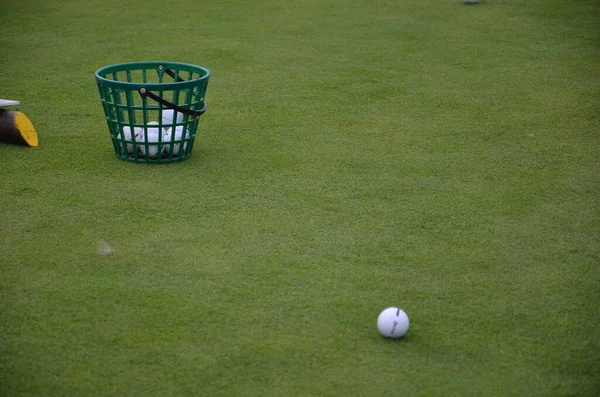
(153, 109)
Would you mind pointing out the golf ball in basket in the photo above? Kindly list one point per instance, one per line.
(138, 132)
(178, 136)
(392, 322)
(167, 117)
(152, 136)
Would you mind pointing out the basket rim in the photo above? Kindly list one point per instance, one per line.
(119, 67)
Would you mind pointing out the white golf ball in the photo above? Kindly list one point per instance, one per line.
(393, 322)
(152, 136)
(168, 115)
(137, 133)
(177, 136)
(166, 139)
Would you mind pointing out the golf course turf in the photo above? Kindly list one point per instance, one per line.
(355, 155)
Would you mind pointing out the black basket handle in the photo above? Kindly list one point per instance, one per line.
(172, 74)
(147, 93)
(191, 112)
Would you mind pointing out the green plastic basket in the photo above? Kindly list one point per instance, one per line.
(153, 109)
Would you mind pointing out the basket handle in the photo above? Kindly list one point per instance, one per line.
(190, 112)
(172, 74)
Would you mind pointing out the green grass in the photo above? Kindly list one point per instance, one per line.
(355, 155)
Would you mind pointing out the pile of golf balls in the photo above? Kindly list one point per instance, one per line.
(153, 135)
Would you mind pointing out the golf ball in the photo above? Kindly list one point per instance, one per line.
(137, 134)
(152, 136)
(392, 322)
(167, 117)
(179, 134)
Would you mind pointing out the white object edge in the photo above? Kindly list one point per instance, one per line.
(8, 102)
